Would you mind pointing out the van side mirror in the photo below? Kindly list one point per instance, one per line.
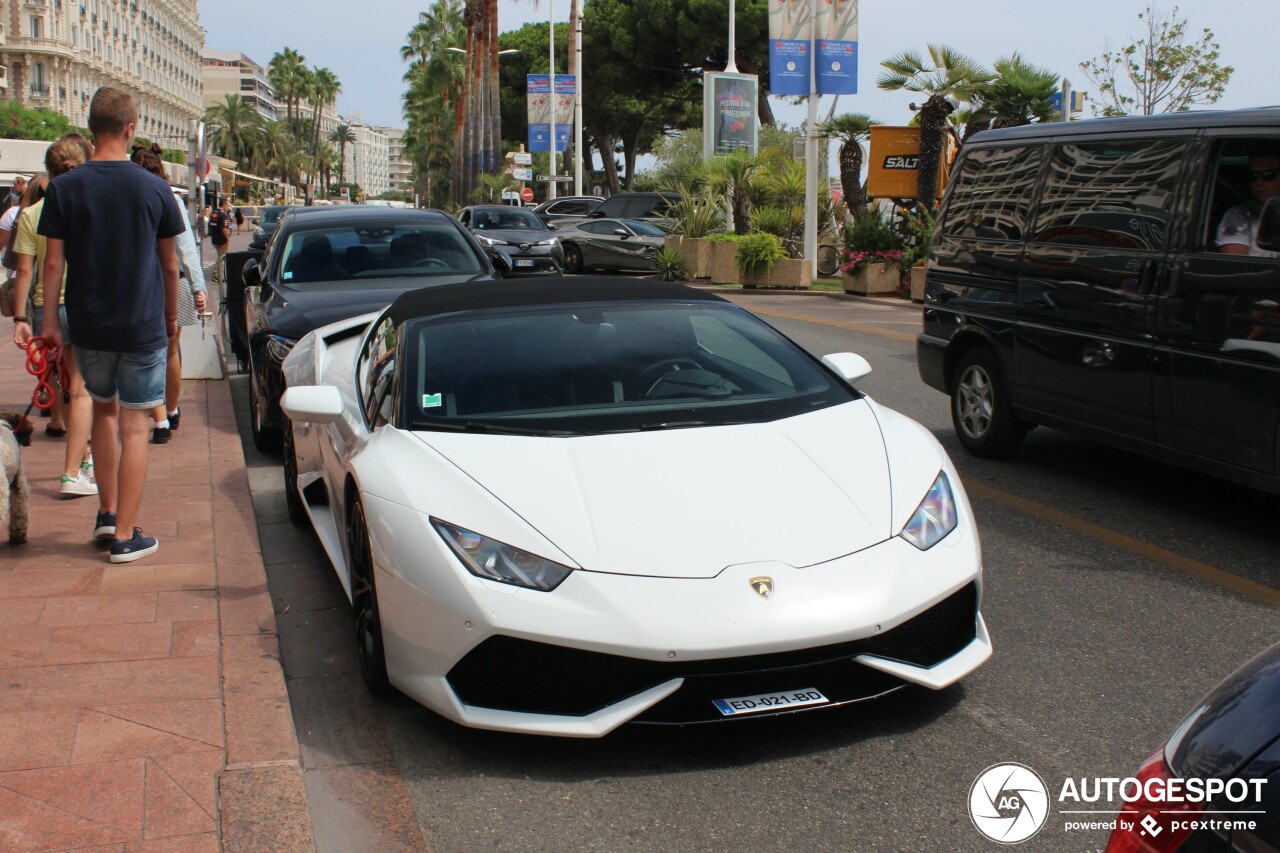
(251, 275)
(1269, 226)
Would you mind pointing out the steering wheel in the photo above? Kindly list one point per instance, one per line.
(430, 262)
(658, 368)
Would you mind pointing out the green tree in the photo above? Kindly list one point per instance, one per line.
(1018, 93)
(288, 73)
(852, 129)
(325, 88)
(239, 128)
(433, 102)
(19, 122)
(735, 177)
(342, 136)
(947, 76)
(1165, 71)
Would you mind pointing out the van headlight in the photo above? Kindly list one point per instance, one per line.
(934, 518)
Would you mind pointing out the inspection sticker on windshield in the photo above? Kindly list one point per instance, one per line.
(770, 702)
(430, 401)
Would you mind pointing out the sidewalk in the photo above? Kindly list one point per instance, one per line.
(142, 706)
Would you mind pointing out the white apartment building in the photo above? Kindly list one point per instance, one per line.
(368, 158)
(399, 168)
(229, 72)
(56, 53)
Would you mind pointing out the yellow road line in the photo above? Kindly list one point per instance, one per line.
(908, 337)
(1203, 571)
(1196, 569)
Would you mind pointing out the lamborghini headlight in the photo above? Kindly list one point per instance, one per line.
(934, 518)
(492, 560)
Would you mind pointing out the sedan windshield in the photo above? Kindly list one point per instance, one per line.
(345, 252)
(506, 219)
(614, 367)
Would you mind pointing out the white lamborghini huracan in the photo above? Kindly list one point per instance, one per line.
(564, 505)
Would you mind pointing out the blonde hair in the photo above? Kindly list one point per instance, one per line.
(63, 156)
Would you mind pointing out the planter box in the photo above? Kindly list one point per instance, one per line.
(791, 273)
(694, 251)
(872, 280)
(724, 264)
(917, 284)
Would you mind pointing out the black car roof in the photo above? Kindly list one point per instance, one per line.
(1258, 116)
(354, 213)
(451, 298)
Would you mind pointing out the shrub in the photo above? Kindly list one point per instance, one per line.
(855, 261)
(757, 253)
(869, 233)
(723, 238)
(669, 265)
(772, 220)
(694, 217)
(920, 231)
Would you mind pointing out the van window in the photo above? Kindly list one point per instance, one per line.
(992, 193)
(1110, 194)
(1233, 204)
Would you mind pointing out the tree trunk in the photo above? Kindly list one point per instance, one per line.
(855, 200)
(933, 130)
(610, 166)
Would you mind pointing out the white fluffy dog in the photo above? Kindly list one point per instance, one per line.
(15, 430)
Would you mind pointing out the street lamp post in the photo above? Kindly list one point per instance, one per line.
(551, 64)
(577, 107)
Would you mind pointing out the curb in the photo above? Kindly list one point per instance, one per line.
(261, 796)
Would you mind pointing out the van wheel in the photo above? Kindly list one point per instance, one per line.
(981, 410)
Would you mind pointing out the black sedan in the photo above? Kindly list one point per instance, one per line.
(533, 247)
(610, 244)
(340, 262)
(1215, 784)
(268, 219)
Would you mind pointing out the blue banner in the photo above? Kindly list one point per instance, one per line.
(837, 65)
(833, 27)
(540, 105)
(788, 67)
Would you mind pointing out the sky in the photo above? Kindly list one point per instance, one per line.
(361, 43)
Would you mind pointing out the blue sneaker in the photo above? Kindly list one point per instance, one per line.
(105, 526)
(128, 550)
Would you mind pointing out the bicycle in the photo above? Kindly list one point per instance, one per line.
(828, 255)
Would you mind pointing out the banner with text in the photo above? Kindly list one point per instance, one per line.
(791, 25)
(728, 113)
(540, 103)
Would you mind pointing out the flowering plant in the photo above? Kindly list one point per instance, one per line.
(856, 261)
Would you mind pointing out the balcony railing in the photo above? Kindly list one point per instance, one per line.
(43, 45)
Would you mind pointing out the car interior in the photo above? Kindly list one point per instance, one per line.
(350, 253)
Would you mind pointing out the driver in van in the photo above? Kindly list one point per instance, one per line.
(1238, 231)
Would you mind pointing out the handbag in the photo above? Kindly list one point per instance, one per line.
(8, 298)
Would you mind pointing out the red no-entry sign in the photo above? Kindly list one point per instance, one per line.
(527, 193)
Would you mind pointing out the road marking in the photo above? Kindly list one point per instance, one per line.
(907, 337)
(1196, 569)
(1202, 571)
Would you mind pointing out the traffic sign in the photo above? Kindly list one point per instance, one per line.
(527, 193)
(555, 179)
(510, 195)
(521, 158)
(522, 174)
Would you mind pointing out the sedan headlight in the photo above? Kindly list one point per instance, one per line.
(492, 560)
(934, 518)
(489, 241)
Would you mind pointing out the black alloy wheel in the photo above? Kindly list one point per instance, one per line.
(292, 497)
(981, 410)
(364, 599)
(572, 258)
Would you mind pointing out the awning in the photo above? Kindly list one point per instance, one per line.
(7, 178)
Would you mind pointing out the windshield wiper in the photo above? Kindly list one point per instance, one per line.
(685, 424)
(481, 426)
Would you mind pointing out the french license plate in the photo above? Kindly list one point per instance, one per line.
(770, 702)
(523, 263)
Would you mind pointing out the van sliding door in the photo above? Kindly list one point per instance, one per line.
(1085, 333)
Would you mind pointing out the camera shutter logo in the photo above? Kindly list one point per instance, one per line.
(1008, 803)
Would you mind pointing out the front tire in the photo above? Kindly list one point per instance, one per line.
(364, 598)
(264, 438)
(292, 497)
(982, 409)
(572, 258)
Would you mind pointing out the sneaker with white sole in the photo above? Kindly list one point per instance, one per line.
(128, 550)
(77, 486)
(104, 527)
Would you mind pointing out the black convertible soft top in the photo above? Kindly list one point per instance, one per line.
(555, 290)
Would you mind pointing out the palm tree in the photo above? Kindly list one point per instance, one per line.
(1019, 93)
(851, 129)
(239, 127)
(490, 187)
(288, 73)
(477, 148)
(341, 136)
(325, 89)
(948, 77)
(734, 177)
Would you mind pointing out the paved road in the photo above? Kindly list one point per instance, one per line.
(1105, 634)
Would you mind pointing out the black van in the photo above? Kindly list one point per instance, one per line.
(635, 206)
(1076, 280)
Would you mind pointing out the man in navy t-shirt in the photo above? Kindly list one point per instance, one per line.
(113, 225)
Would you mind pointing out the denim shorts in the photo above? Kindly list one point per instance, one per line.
(137, 378)
(37, 323)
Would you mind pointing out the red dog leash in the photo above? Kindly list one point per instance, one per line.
(45, 363)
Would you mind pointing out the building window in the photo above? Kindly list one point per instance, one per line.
(37, 26)
(38, 86)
